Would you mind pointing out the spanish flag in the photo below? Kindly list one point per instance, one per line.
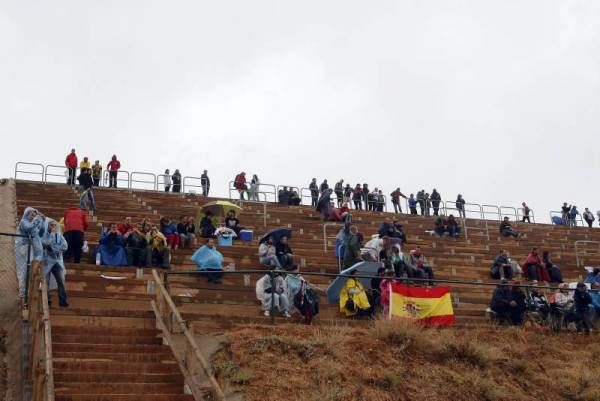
(429, 306)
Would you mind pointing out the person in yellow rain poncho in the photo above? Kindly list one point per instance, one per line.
(354, 300)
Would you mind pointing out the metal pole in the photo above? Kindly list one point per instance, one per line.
(272, 277)
(27, 272)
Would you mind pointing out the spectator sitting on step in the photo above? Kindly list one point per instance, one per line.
(537, 301)
(593, 278)
(207, 228)
(145, 226)
(284, 254)
(54, 245)
(136, 247)
(344, 213)
(507, 230)
(399, 263)
(125, 227)
(502, 269)
(233, 223)
(169, 230)
(112, 248)
(534, 269)
(294, 199)
(75, 221)
(582, 301)
(446, 227)
(440, 226)
(210, 260)
(283, 196)
(158, 250)
(267, 255)
(352, 248)
(186, 230)
(354, 300)
(507, 305)
(273, 294)
(553, 270)
(412, 204)
(417, 259)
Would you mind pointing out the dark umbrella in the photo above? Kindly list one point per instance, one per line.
(276, 234)
(361, 268)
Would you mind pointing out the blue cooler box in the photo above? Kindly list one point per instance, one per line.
(246, 235)
(224, 240)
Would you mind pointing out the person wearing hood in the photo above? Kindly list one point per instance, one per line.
(284, 254)
(436, 199)
(507, 230)
(167, 180)
(32, 227)
(553, 270)
(273, 294)
(593, 278)
(176, 178)
(71, 165)
(582, 302)
(354, 300)
(324, 204)
(113, 168)
(209, 259)
(112, 248)
(53, 266)
(267, 255)
(534, 269)
(158, 251)
(352, 248)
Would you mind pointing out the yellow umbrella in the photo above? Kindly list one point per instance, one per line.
(218, 209)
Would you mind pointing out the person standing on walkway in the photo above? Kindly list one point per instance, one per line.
(588, 217)
(205, 182)
(167, 180)
(113, 168)
(97, 173)
(71, 165)
(76, 223)
(526, 211)
(314, 192)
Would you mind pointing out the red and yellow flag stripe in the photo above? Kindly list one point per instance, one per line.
(429, 306)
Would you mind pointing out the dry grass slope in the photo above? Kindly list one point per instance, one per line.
(400, 361)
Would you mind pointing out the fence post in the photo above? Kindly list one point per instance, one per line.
(272, 277)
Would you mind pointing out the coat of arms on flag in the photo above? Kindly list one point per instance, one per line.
(429, 306)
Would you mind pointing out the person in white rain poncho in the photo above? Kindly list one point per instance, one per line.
(53, 266)
(31, 225)
(273, 294)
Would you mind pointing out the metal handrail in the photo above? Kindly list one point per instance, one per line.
(302, 195)
(325, 225)
(264, 203)
(559, 214)
(132, 179)
(62, 175)
(127, 180)
(185, 185)
(40, 173)
(495, 211)
(159, 182)
(577, 252)
(512, 212)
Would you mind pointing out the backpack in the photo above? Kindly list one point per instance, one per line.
(238, 183)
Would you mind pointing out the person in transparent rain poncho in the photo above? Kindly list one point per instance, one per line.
(32, 226)
(275, 296)
(53, 266)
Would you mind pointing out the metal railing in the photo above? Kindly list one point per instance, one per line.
(264, 203)
(20, 165)
(266, 189)
(493, 210)
(521, 214)
(325, 225)
(191, 182)
(192, 362)
(134, 179)
(41, 364)
(49, 171)
(557, 213)
(127, 181)
(581, 251)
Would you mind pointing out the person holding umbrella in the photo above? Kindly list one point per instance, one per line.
(284, 254)
(267, 254)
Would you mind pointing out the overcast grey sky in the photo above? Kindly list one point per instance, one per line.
(498, 100)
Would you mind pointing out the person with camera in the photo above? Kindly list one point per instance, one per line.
(53, 266)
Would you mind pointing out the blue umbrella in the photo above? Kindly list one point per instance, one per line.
(276, 234)
(361, 268)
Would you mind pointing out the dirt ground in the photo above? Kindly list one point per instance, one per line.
(399, 361)
(10, 318)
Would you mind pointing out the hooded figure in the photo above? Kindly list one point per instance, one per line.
(208, 258)
(324, 203)
(354, 299)
(112, 248)
(273, 295)
(53, 266)
(31, 225)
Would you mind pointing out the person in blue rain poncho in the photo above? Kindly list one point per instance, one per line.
(54, 245)
(112, 248)
(31, 225)
(209, 259)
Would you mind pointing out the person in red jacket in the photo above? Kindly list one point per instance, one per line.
(240, 184)
(534, 269)
(113, 168)
(75, 221)
(71, 165)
